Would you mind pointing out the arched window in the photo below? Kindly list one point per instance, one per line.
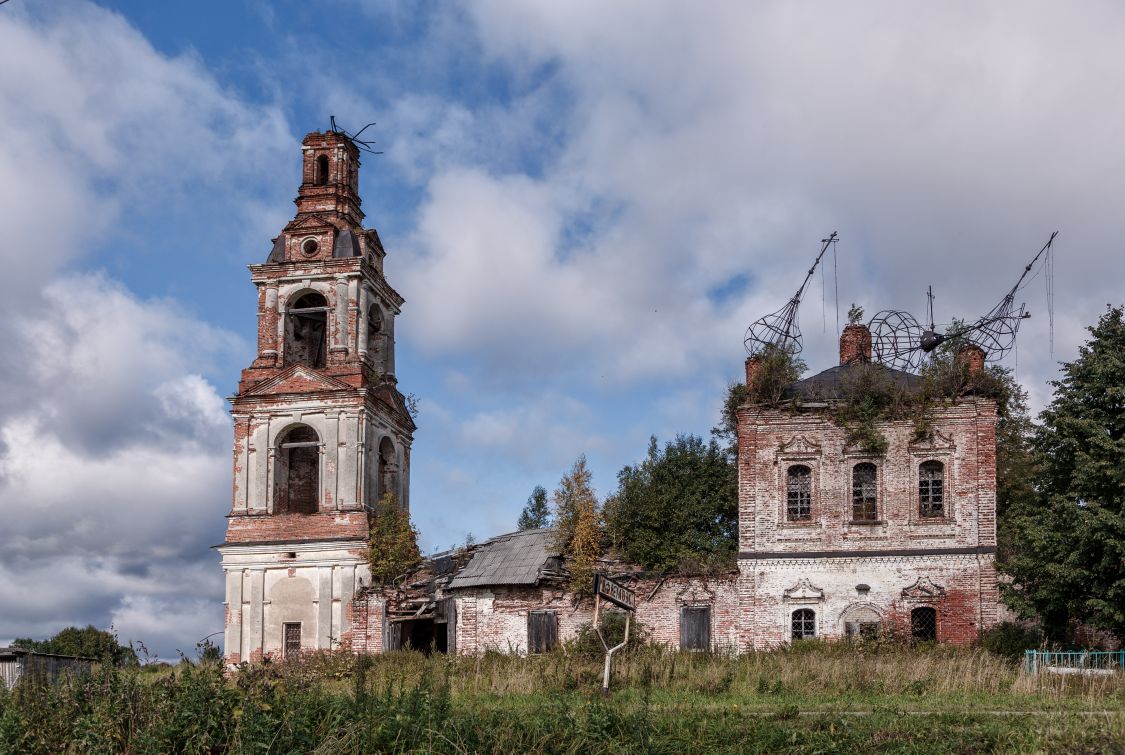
(931, 489)
(798, 490)
(861, 622)
(321, 177)
(803, 626)
(298, 472)
(923, 624)
(306, 331)
(388, 468)
(865, 493)
(376, 338)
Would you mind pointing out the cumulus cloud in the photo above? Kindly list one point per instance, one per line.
(944, 143)
(114, 444)
(115, 472)
(100, 126)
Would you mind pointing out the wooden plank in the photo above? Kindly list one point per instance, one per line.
(615, 593)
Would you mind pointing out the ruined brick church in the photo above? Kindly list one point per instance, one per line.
(834, 540)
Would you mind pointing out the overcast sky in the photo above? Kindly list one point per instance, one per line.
(584, 204)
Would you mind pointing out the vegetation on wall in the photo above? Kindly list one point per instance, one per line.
(677, 509)
(392, 541)
(578, 525)
(777, 370)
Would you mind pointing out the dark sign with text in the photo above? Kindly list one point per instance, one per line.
(615, 593)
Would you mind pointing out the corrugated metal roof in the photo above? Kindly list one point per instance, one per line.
(513, 559)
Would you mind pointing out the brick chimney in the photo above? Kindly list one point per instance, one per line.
(855, 344)
(753, 364)
(972, 357)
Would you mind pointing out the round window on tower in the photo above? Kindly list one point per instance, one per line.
(309, 247)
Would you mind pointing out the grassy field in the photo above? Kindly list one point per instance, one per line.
(807, 698)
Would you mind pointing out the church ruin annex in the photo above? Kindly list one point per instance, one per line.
(835, 539)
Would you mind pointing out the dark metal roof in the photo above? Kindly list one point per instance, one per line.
(277, 254)
(517, 558)
(347, 245)
(826, 385)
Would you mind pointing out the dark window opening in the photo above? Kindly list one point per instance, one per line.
(321, 177)
(376, 338)
(387, 469)
(931, 489)
(542, 631)
(798, 488)
(306, 331)
(292, 634)
(298, 472)
(803, 624)
(923, 624)
(865, 493)
(695, 628)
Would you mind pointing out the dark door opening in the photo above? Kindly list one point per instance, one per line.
(418, 634)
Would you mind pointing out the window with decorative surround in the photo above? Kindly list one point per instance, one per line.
(803, 624)
(931, 489)
(798, 492)
(923, 624)
(865, 492)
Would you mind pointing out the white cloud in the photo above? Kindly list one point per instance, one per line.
(114, 445)
(99, 124)
(114, 470)
(944, 142)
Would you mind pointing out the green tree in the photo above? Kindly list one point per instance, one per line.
(392, 540)
(578, 525)
(678, 508)
(1067, 558)
(88, 642)
(537, 513)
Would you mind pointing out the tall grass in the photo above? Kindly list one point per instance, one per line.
(795, 699)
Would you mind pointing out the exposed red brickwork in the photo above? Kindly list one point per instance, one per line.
(279, 527)
(855, 344)
(972, 356)
(753, 364)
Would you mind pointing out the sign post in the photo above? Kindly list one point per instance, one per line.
(621, 596)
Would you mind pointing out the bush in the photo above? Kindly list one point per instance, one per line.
(587, 645)
(1009, 639)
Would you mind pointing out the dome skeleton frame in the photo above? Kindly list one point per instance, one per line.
(900, 342)
(781, 330)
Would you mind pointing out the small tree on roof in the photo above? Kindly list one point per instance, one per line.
(393, 541)
(578, 526)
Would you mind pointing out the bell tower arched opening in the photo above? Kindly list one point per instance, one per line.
(306, 331)
(298, 472)
(388, 468)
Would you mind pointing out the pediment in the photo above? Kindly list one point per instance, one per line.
(695, 592)
(935, 441)
(394, 400)
(298, 379)
(800, 445)
(923, 589)
(308, 222)
(804, 592)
